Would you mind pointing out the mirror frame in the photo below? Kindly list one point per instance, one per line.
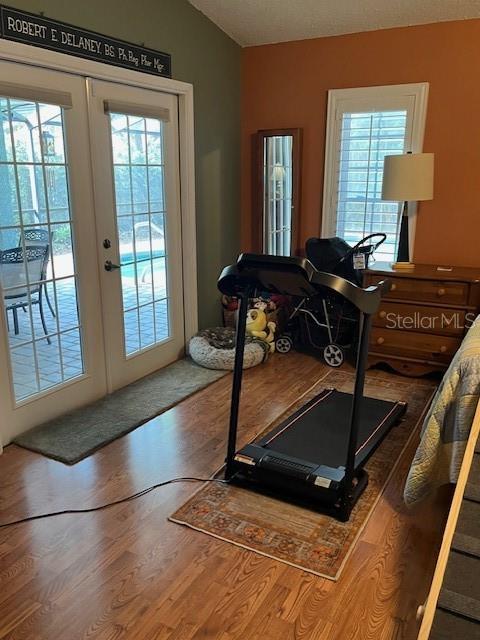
(258, 186)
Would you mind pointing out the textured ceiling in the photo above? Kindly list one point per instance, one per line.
(251, 22)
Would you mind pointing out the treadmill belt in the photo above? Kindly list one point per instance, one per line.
(319, 430)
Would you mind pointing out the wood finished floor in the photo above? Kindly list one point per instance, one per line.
(129, 573)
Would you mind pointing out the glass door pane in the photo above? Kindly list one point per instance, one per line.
(37, 261)
(138, 164)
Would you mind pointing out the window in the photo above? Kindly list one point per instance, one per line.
(276, 191)
(363, 126)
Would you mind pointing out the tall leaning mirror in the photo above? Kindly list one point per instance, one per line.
(276, 191)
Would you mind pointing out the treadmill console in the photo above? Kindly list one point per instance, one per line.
(285, 264)
(280, 274)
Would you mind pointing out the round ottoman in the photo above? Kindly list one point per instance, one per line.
(215, 349)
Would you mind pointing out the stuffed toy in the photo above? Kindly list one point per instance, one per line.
(258, 327)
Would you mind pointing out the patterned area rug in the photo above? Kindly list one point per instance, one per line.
(297, 536)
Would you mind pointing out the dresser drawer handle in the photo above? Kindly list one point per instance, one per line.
(380, 340)
(393, 287)
(441, 292)
(382, 314)
(443, 348)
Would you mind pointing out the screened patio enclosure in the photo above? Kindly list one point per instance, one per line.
(38, 273)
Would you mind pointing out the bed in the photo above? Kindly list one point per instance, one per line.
(446, 428)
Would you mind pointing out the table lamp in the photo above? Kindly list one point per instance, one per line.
(407, 177)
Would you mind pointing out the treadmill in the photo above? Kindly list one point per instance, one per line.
(316, 456)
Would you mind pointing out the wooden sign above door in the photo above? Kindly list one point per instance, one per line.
(28, 28)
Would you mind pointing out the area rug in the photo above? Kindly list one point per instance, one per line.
(305, 539)
(78, 434)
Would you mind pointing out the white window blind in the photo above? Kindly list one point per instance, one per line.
(365, 139)
(364, 125)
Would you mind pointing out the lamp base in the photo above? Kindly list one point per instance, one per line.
(403, 266)
(403, 253)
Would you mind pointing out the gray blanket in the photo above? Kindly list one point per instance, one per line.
(447, 426)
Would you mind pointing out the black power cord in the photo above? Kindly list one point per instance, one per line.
(139, 494)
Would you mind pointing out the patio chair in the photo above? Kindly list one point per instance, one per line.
(39, 237)
(18, 268)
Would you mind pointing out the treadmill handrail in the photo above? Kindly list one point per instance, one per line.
(261, 272)
(366, 300)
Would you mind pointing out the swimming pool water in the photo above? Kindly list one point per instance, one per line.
(142, 257)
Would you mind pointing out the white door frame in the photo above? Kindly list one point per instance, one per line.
(36, 56)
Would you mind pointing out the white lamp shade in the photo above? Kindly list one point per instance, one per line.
(278, 172)
(408, 177)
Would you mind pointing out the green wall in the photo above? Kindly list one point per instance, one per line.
(206, 57)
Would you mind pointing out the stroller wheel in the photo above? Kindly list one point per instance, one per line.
(283, 344)
(333, 355)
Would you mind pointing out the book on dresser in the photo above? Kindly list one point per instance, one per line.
(423, 318)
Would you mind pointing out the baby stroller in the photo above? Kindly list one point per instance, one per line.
(328, 324)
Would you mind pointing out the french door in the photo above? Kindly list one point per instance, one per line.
(137, 190)
(91, 294)
(51, 321)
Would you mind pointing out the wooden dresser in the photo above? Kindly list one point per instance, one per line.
(424, 316)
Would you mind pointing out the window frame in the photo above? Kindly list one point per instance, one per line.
(258, 190)
(413, 97)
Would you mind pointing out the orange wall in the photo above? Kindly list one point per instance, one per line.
(285, 85)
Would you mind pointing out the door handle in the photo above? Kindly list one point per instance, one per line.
(109, 266)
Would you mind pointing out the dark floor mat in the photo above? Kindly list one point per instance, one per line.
(78, 434)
